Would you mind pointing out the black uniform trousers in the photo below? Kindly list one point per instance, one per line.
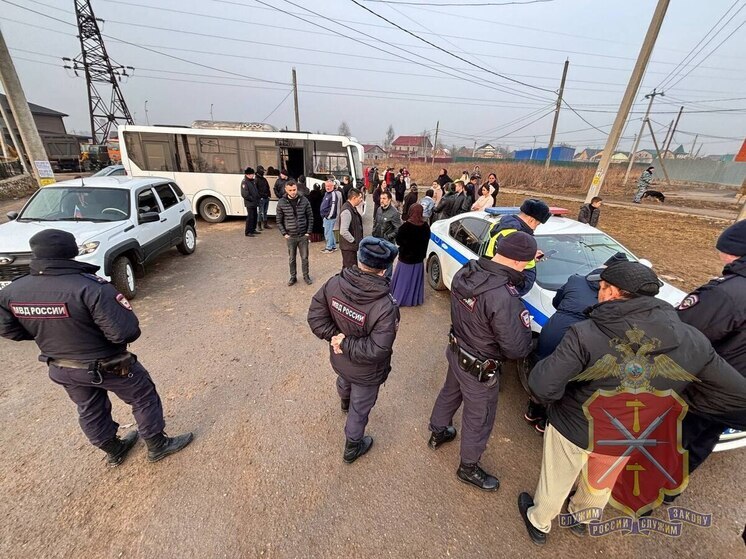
(94, 406)
(480, 407)
(362, 399)
(296, 245)
(699, 437)
(251, 217)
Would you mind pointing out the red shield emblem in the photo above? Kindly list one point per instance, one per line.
(635, 444)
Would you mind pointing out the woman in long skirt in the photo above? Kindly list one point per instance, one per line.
(408, 282)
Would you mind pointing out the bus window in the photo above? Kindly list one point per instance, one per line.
(134, 148)
(246, 153)
(267, 157)
(220, 155)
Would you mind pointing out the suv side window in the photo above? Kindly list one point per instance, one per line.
(178, 191)
(146, 202)
(469, 231)
(166, 195)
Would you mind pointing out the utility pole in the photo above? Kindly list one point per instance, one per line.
(660, 159)
(295, 101)
(32, 144)
(673, 131)
(2, 140)
(691, 153)
(556, 114)
(629, 96)
(435, 145)
(650, 96)
(147, 118)
(668, 132)
(13, 139)
(212, 117)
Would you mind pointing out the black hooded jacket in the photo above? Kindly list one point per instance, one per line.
(718, 310)
(262, 186)
(70, 312)
(488, 318)
(358, 305)
(720, 391)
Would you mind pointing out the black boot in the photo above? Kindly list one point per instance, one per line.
(116, 449)
(259, 226)
(525, 502)
(266, 225)
(476, 476)
(446, 436)
(345, 405)
(160, 446)
(355, 449)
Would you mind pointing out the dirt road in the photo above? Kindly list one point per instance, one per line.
(230, 351)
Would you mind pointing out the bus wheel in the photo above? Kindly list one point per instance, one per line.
(212, 210)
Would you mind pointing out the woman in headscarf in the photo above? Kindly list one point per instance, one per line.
(408, 282)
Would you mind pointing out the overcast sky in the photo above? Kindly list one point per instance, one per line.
(355, 67)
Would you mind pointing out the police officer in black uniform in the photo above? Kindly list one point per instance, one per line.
(489, 325)
(82, 326)
(718, 310)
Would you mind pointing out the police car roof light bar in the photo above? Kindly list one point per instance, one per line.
(513, 210)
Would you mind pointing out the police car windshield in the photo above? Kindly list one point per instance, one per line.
(77, 204)
(573, 254)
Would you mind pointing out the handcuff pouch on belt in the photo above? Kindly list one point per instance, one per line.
(483, 369)
(118, 365)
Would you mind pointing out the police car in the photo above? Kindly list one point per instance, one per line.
(120, 223)
(569, 247)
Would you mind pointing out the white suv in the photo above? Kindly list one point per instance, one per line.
(119, 223)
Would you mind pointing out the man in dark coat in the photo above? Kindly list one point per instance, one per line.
(82, 326)
(295, 222)
(718, 310)
(443, 178)
(250, 195)
(589, 213)
(357, 315)
(532, 213)
(350, 228)
(262, 186)
(628, 324)
(446, 208)
(279, 187)
(489, 324)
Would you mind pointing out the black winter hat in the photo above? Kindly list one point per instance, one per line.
(248, 171)
(53, 243)
(633, 277)
(260, 170)
(536, 209)
(376, 253)
(618, 257)
(733, 240)
(517, 246)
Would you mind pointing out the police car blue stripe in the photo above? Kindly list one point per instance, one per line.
(539, 317)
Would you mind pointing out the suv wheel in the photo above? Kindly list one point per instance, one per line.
(123, 277)
(188, 240)
(435, 273)
(212, 210)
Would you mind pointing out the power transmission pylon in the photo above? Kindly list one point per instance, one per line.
(98, 68)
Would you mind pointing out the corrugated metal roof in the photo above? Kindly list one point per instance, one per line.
(35, 109)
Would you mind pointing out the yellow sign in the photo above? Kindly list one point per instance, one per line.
(46, 182)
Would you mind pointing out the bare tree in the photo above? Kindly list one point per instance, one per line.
(344, 129)
(390, 135)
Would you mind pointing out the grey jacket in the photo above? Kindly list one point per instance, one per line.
(387, 222)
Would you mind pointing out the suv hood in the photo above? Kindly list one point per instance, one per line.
(15, 235)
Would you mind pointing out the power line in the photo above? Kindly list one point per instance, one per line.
(478, 66)
(461, 5)
(581, 117)
(278, 106)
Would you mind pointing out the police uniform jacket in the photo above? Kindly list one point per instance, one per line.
(358, 305)
(249, 193)
(507, 225)
(720, 389)
(487, 315)
(718, 310)
(70, 312)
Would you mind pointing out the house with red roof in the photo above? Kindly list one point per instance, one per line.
(410, 146)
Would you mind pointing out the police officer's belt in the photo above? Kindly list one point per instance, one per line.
(118, 365)
(483, 370)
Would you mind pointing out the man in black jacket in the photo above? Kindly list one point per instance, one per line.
(463, 201)
(82, 326)
(589, 213)
(718, 310)
(250, 196)
(489, 325)
(295, 222)
(610, 352)
(280, 183)
(357, 315)
(262, 186)
(350, 228)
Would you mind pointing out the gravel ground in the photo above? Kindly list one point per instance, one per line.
(228, 346)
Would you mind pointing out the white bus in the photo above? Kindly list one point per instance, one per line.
(207, 160)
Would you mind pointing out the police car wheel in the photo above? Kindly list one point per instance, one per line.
(188, 240)
(212, 210)
(435, 273)
(123, 277)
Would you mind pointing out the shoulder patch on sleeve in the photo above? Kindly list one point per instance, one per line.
(468, 302)
(511, 289)
(688, 302)
(94, 277)
(122, 300)
(526, 318)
